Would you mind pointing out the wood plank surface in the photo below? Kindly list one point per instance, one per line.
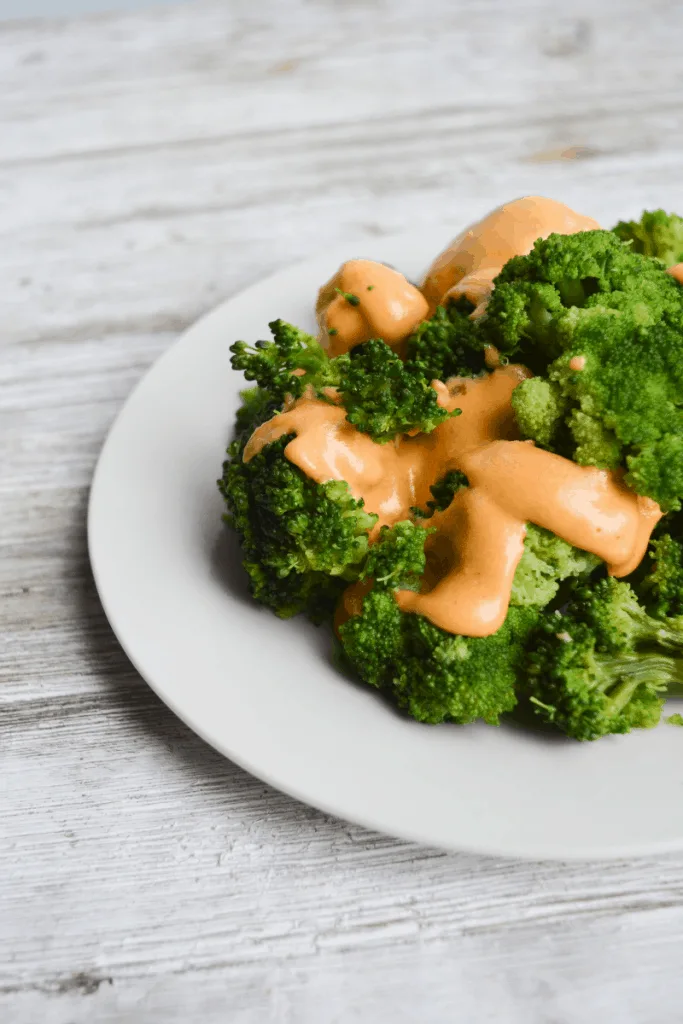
(151, 165)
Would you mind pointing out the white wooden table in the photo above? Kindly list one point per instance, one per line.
(150, 166)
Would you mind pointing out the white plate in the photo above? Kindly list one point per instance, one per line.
(264, 692)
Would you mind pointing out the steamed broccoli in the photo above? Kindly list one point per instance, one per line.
(302, 541)
(383, 396)
(433, 675)
(599, 666)
(443, 492)
(659, 580)
(547, 561)
(276, 365)
(447, 345)
(602, 328)
(657, 234)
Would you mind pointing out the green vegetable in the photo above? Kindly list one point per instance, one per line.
(676, 719)
(603, 665)
(433, 675)
(590, 297)
(436, 675)
(592, 656)
(447, 345)
(443, 492)
(302, 541)
(352, 299)
(383, 396)
(659, 583)
(272, 364)
(657, 234)
(546, 562)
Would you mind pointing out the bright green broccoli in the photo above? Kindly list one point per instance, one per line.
(383, 396)
(272, 364)
(546, 562)
(302, 541)
(656, 234)
(659, 580)
(603, 665)
(602, 328)
(443, 492)
(433, 675)
(447, 345)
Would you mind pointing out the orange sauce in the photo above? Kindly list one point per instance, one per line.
(471, 262)
(367, 300)
(479, 538)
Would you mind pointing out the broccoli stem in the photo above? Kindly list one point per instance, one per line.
(625, 674)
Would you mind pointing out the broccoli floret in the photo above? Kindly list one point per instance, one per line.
(272, 364)
(657, 233)
(443, 492)
(586, 694)
(547, 561)
(602, 327)
(659, 580)
(302, 541)
(539, 410)
(434, 675)
(599, 667)
(383, 396)
(447, 345)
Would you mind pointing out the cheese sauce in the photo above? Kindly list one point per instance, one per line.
(367, 300)
(479, 538)
(471, 262)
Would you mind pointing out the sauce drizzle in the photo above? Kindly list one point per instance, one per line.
(479, 538)
(471, 262)
(367, 300)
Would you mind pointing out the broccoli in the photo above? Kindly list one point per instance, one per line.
(443, 492)
(656, 234)
(273, 365)
(659, 580)
(302, 541)
(603, 665)
(433, 675)
(547, 561)
(602, 328)
(447, 345)
(383, 396)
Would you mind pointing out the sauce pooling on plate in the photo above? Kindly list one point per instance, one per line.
(472, 260)
(479, 538)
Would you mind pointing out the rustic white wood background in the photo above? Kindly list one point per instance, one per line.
(150, 166)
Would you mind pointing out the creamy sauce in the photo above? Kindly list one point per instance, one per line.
(471, 262)
(367, 300)
(472, 557)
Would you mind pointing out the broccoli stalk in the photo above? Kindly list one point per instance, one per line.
(598, 667)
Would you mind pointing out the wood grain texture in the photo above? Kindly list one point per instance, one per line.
(150, 166)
